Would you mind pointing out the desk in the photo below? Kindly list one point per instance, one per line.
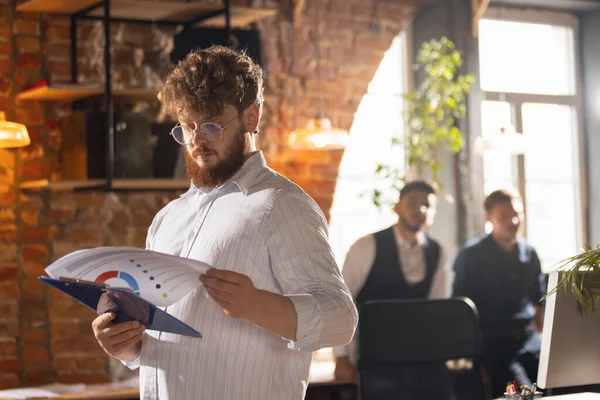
(575, 396)
(321, 381)
(123, 394)
(327, 388)
(106, 391)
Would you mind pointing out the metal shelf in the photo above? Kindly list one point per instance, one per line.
(45, 184)
(117, 184)
(145, 11)
(189, 14)
(73, 93)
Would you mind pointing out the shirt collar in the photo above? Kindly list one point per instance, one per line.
(404, 243)
(243, 178)
(520, 249)
(252, 167)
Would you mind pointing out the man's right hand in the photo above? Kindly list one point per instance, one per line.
(118, 340)
(344, 370)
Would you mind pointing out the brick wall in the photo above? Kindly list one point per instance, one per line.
(46, 337)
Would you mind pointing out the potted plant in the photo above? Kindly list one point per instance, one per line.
(431, 113)
(581, 275)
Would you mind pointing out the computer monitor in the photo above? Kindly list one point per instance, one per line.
(570, 353)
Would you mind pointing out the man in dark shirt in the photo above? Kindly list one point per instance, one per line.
(501, 273)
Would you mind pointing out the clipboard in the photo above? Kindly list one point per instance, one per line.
(126, 305)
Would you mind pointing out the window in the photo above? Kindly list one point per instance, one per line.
(377, 120)
(527, 70)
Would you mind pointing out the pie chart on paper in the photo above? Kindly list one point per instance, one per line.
(116, 279)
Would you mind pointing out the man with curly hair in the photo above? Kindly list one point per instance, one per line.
(275, 294)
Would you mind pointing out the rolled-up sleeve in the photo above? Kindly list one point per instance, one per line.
(135, 364)
(304, 266)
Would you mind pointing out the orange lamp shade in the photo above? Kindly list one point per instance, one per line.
(318, 135)
(12, 134)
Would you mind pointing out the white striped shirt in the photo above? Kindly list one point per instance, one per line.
(262, 225)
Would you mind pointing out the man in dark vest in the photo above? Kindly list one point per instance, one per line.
(400, 262)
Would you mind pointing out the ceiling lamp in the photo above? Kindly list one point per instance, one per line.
(506, 140)
(12, 134)
(318, 133)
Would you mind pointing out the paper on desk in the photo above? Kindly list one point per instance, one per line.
(159, 278)
(26, 393)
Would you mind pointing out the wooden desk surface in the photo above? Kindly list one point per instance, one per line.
(319, 380)
(329, 382)
(574, 396)
(131, 394)
(125, 394)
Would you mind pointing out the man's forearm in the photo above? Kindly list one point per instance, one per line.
(275, 313)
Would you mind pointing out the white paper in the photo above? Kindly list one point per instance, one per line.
(159, 278)
(26, 393)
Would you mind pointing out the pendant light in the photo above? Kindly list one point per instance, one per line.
(506, 140)
(12, 134)
(318, 133)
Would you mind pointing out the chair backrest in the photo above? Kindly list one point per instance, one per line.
(403, 346)
(413, 331)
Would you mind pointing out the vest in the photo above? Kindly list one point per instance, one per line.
(386, 280)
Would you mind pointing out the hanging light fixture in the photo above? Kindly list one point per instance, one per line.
(318, 133)
(12, 134)
(505, 140)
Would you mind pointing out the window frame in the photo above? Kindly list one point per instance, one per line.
(516, 101)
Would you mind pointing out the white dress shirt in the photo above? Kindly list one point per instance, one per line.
(262, 225)
(359, 262)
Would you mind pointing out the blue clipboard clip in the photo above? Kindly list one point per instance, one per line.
(126, 305)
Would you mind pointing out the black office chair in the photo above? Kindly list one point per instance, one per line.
(403, 346)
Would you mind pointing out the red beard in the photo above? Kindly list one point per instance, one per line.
(225, 168)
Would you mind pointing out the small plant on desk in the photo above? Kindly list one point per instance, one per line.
(581, 275)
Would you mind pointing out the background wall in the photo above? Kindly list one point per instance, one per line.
(46, 337)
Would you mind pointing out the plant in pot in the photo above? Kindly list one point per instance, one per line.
(431, 113)
(581, 275)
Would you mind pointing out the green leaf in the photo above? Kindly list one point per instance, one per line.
(431, 111)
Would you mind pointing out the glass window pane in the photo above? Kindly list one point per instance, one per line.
(552, 181)
(526, 58)
(389, 77)
(552, 221)
(498, 167)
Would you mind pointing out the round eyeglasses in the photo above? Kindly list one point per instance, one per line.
(211, 131)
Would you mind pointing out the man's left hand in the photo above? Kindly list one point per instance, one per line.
(234, 292)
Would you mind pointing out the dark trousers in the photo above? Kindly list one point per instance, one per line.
(508, 358)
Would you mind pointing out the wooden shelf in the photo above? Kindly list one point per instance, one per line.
(44, 184)
(240, 17)
(118, 184)
(145, 10)
(60, 94)
(73, 94)
(67, 7)
(141, 184)
(136, 93)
